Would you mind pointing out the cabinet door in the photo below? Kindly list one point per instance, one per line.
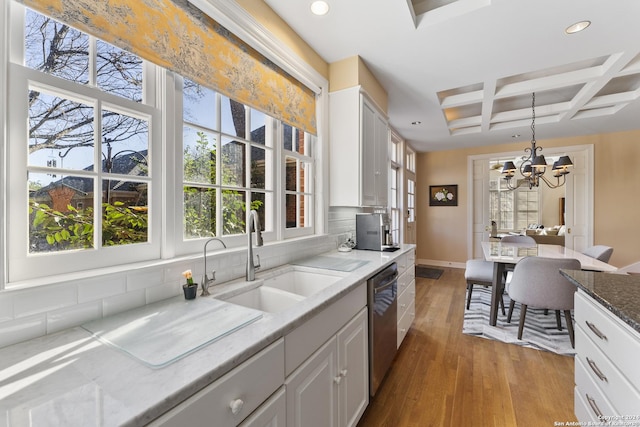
(382, 161)
(272, 413)
(312, 390)
(353, 370)
(369, 148)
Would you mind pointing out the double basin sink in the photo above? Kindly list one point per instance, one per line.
(280, 289)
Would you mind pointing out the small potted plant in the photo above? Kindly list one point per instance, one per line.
(190, 288)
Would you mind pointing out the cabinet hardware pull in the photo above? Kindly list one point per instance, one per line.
(597, 370)
(236, 406)
(343, 373)
(337, 379)
(596, 331)
(594, 406)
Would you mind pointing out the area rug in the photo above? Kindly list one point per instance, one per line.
(540, 330)
(428, 272)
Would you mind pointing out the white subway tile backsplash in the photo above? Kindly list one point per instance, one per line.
(69, 317)
(6, 307)
(42, 299)
(22, 329)
(144, 279)
(100, 287)
(158, 293)
(123, 302)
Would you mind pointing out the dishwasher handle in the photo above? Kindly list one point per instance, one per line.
(385, 285)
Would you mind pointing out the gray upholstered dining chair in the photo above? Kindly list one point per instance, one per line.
(600, 252)
(518, 239)
(479, 272)
(537, 282)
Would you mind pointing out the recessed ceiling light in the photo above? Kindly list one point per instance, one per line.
(515, 135)
(319, 7)
(577, 27)
(417, 122)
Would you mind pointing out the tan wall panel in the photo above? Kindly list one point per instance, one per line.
(343, 74)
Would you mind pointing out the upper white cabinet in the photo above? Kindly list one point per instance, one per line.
(358, 150)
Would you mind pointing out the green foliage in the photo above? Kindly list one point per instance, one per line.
(52, 230)
(200, 200)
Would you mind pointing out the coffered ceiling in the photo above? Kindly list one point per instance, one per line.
(466, 69)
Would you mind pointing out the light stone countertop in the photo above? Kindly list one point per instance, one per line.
(71, 378)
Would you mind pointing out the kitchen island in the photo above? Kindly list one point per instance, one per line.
(607, 377)
(72, 378)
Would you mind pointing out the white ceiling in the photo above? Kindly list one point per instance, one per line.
(466, 69)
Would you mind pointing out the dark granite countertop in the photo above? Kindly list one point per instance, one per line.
(618, 293)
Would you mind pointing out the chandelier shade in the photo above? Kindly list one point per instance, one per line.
(534, 165)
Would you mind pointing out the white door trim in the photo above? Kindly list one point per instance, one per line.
(585, 212)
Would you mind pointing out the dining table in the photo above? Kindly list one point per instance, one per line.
(508, 254)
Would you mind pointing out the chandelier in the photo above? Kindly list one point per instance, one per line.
(534, 165)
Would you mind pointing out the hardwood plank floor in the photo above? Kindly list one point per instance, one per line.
(442, 377)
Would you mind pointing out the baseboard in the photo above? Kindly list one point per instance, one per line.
(439, 263)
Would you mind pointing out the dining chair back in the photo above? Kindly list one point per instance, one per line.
(537, 282)
(479, 272)
(518, 239)
(600, 252)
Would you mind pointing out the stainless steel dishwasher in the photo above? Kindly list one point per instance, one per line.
(382, 295)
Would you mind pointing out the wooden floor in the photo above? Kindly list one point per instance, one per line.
(441, 377)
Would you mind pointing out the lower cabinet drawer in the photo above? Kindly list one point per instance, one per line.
(596, 403)
(623, 397)
(611, 335)
(405, 322)
(406, 299)
(234, 396)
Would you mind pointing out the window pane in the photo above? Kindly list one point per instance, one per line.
(258, 167)
(60, 213)
(233, 161)
(258, 127)
(233, 116)
(55, 48)
(118, 72)
(124, 212)
(60, 132)
(233, 212)
(199, 156)
(199, 212)
(292, 210)
(199, 105)
(259, 204)
(126, 143)
(291, 174)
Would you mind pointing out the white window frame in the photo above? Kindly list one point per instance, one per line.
(21, 264)
(163, 230)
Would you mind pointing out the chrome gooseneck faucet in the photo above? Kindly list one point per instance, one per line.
(205, 278)
(253, 224)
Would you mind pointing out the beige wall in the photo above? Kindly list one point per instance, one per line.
(442, 231)
(353, 71)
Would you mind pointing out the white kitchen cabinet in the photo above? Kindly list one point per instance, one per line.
(406, 294)
(358, 150)
(230, 399)
(606, 375)
(331, 388)
(272, 413)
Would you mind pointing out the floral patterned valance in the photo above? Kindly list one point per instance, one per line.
(176, 35)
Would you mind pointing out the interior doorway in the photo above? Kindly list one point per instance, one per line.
(577, 206)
